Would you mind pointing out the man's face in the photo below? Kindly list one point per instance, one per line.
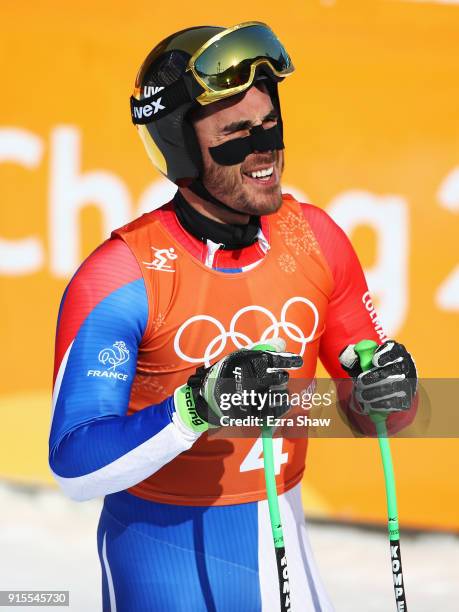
(235, 185)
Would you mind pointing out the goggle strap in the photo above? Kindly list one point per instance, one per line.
(164, 101)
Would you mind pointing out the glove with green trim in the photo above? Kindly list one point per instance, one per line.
(388, 386)
(238, 386)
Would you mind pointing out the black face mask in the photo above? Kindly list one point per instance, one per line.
(235, 151)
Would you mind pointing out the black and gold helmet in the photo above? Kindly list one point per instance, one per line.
(192, 68)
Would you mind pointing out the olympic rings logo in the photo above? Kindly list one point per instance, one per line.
(240, 340)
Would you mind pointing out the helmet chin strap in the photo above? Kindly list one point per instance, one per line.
(198, 188)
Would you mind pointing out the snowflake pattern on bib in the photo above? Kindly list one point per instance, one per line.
(297, 234)
(287, 263)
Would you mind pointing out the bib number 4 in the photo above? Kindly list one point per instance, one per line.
(254, 458)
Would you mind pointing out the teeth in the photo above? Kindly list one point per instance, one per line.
(262, 173)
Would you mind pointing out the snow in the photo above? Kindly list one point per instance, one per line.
(49, 543)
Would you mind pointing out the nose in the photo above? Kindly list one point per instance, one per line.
(260, 139)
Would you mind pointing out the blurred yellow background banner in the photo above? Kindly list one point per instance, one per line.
(372, 135)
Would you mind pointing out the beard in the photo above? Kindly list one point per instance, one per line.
(227, 184)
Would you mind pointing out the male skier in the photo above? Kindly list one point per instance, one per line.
(161, 318)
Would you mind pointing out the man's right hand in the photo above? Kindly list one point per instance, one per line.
(238, 386)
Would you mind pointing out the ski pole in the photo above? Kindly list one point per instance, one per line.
(365, 350)
(274, 516)
(273, 505)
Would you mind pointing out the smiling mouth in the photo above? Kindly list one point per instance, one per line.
(265, 175)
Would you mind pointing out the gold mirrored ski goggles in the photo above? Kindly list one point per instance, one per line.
(226, 64)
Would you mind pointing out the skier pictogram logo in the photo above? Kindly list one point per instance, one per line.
(160, 260)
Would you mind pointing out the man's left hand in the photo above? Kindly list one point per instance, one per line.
(389, 386)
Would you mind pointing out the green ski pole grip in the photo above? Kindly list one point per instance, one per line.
(365, 350)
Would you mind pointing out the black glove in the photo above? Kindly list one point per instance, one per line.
(239, 385)
(389, 386)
